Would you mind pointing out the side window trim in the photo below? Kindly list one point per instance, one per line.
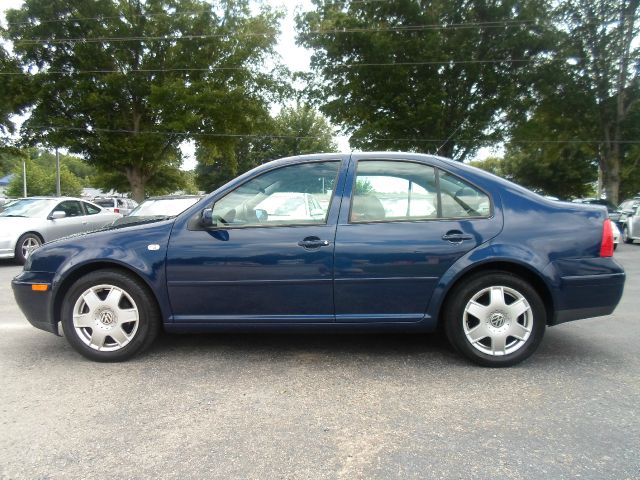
(331, 205)
(440, 216)
(472, 184)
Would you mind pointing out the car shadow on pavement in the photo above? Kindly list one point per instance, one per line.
(317, 345)
(9, 262)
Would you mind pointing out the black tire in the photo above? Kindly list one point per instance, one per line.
(497, 322)
(625, 235)
(20, 255)
(134, 296)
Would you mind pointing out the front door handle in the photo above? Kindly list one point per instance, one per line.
(313, 242)
(456, 236)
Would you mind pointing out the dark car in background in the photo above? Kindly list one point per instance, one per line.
(405, 242)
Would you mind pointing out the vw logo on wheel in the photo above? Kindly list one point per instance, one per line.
(107, 317)
(497, 320)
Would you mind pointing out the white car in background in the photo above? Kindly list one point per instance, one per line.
(29, 222)
(123, 206)
(616, 234)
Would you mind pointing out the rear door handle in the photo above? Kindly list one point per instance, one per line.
(313, 242)
(456, 236)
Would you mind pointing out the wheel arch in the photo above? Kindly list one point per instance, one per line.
(71, 277)
(526, 273)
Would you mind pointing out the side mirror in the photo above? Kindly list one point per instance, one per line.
(206, 218)
(261, 214)
(57, 214)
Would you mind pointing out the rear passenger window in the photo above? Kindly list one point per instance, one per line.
(91, 209)
(397, 191)
(390, 191)
(460, 199)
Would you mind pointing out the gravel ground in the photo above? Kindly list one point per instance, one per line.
(323, 406)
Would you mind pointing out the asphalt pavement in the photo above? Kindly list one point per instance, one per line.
(323, 406)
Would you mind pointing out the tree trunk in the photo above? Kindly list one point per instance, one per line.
(611, 177)
(137, 181)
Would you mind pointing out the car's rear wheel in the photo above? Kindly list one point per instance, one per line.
(25, 245)
(495, 319)
(109, 316)
(625, 235)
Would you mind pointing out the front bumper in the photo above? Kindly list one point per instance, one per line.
(36, 305)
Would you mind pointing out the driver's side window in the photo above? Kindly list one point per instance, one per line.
(294, 195)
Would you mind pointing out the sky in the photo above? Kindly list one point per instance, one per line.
(294, 57)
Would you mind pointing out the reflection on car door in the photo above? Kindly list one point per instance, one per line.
(394, 240)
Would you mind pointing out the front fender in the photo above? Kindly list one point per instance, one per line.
(139, 249)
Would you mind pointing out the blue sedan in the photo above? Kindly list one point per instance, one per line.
(394, 241)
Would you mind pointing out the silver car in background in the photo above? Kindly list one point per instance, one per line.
(29, 222)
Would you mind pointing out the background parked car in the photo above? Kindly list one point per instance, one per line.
(616, 234)
(626, 209)
(631, 226)
(29, 222)
(123, 206)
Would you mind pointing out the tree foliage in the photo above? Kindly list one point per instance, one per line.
(394, 83)
(294, 131)
(589, 97)
(13, 95)
(42, 181)
(143, 77)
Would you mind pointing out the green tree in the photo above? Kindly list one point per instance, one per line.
(294, 131)
(430, 76)
(42, 181)
(124, 82)
(13, 95)
(493, 165)
(595, 94)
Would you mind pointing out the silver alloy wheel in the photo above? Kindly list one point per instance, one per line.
(625, 235)
(497, 320)
(105, 318)
(29, 245)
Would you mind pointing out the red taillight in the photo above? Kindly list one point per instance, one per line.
(116, 210)
(606, 246)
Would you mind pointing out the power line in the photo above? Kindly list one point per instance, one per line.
(299, 137)
(335, 31)
(343, 65)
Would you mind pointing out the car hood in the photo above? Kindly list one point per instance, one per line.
(120, 245)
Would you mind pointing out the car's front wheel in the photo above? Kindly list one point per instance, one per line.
(625, 235)
(25, 245)
(109, 316)
(495, 319)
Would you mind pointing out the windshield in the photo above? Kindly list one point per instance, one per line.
(104, 202)
(29, 207)
(163, 206)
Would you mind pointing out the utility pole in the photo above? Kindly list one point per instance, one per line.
(57, 173)
(24, 178)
